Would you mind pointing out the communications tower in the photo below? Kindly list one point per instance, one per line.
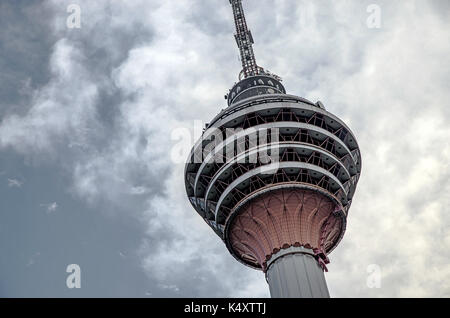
(274, 176)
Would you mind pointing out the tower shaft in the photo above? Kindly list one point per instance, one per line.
(244, 40)
(295, 273)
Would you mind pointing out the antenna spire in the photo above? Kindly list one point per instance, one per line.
(244, 40)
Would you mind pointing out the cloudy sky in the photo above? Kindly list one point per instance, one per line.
(88, 122)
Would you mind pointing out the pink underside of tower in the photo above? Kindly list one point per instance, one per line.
(283, 218)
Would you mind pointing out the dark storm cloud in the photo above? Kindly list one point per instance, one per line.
(24, 49)
(210, 18)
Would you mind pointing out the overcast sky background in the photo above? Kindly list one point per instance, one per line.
(86, 117)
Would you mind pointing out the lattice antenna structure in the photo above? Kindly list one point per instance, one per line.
(244, 40)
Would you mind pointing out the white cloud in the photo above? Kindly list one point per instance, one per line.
(170, 287)
(138, 190)
(60, 112)
(50, 207)
(14, 183)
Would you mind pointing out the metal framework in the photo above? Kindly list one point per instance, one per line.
(315, 150)
(244, 40)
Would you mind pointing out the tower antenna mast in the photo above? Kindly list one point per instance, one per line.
(244, 40)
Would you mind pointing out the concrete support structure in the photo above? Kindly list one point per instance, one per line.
(279, 219)
(295, 273)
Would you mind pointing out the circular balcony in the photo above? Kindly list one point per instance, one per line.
(269, 142)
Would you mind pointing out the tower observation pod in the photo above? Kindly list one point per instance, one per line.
(274, 176)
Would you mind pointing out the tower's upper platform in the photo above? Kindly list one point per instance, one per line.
(253, 86)
(269, 142)
(272, 171)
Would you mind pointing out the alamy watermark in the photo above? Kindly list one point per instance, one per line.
(215, 145)
(74, 279)
(374, 277)
(73, 21)
(374, 19)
